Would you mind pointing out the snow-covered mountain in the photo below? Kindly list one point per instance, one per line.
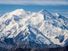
(33, 29)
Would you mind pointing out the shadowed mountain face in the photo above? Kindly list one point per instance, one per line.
(25, 29)
(43, 49)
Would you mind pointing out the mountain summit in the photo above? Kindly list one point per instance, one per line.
(33, 29)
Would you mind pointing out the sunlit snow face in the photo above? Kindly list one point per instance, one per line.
(37, 18)
(18, 12)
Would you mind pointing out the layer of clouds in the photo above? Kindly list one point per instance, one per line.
(39, 2)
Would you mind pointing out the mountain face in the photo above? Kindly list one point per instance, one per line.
(27, 29)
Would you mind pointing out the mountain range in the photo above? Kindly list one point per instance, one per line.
(26, 29)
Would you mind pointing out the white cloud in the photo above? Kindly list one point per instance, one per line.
(39, 2)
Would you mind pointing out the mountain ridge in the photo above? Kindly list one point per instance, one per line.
(39, 27)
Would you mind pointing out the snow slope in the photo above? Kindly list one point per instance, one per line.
(36, 29)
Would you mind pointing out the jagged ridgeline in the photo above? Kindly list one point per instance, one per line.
(26, 29)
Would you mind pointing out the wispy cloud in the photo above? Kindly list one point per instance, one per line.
(39, 2)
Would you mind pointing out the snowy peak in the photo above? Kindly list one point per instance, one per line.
(40, 27)
(18, 12)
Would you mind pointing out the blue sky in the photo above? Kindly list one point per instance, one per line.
(38, 2)
(60, 6)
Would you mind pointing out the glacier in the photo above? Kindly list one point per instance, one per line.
(26, 29)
